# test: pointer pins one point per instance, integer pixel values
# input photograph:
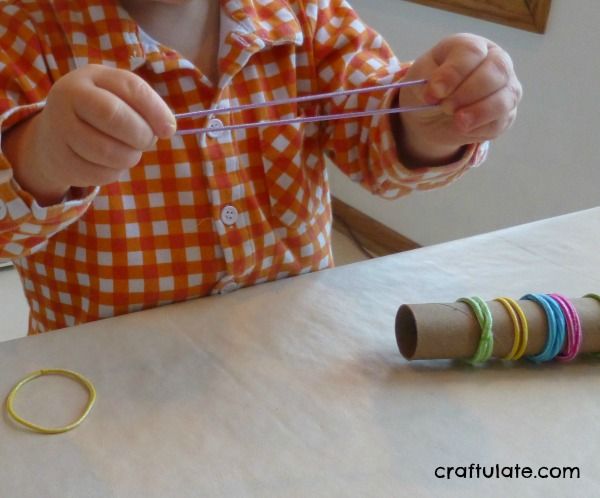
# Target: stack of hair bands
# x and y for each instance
(564, 327)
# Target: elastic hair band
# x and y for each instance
(484, 316)
(524, 329)
(556, 327)
(574, 334)
(56, 371)
(521, 329)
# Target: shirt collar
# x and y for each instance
(102, 32)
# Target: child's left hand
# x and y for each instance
(474, 82)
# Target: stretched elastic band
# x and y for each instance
(484, 317)
(574, 334)
(56, 371)
(556, 327)
(521, 330)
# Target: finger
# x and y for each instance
(83, 173)
(108, 114)
(124, 106)
(487, 110)
(492, 130)
(457, 57)
(98, 148)
(494, 73)
(140, 96)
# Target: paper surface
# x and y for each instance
(297, 388)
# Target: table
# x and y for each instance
(296, 388)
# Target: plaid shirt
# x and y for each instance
(205, 214)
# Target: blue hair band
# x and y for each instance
(557, 327)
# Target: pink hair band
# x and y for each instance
(574, 332)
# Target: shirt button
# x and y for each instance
(3, 210)
(229, 215)
(216, 124)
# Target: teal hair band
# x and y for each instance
(557, 327)
(484, 317)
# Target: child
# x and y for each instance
(105, 211)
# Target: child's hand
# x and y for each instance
(474, 82)
(96, 123)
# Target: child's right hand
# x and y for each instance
(95, 125)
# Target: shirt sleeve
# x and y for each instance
(24, 85)
(352, 55)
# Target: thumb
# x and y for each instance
(454, 59)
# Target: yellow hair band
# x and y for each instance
(55, 371)
(593, 296)
(520, 328)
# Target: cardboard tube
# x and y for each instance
(450, 331)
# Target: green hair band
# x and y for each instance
(484, 316)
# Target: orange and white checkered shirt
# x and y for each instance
(200, 214)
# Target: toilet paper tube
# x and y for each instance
(451, 331)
